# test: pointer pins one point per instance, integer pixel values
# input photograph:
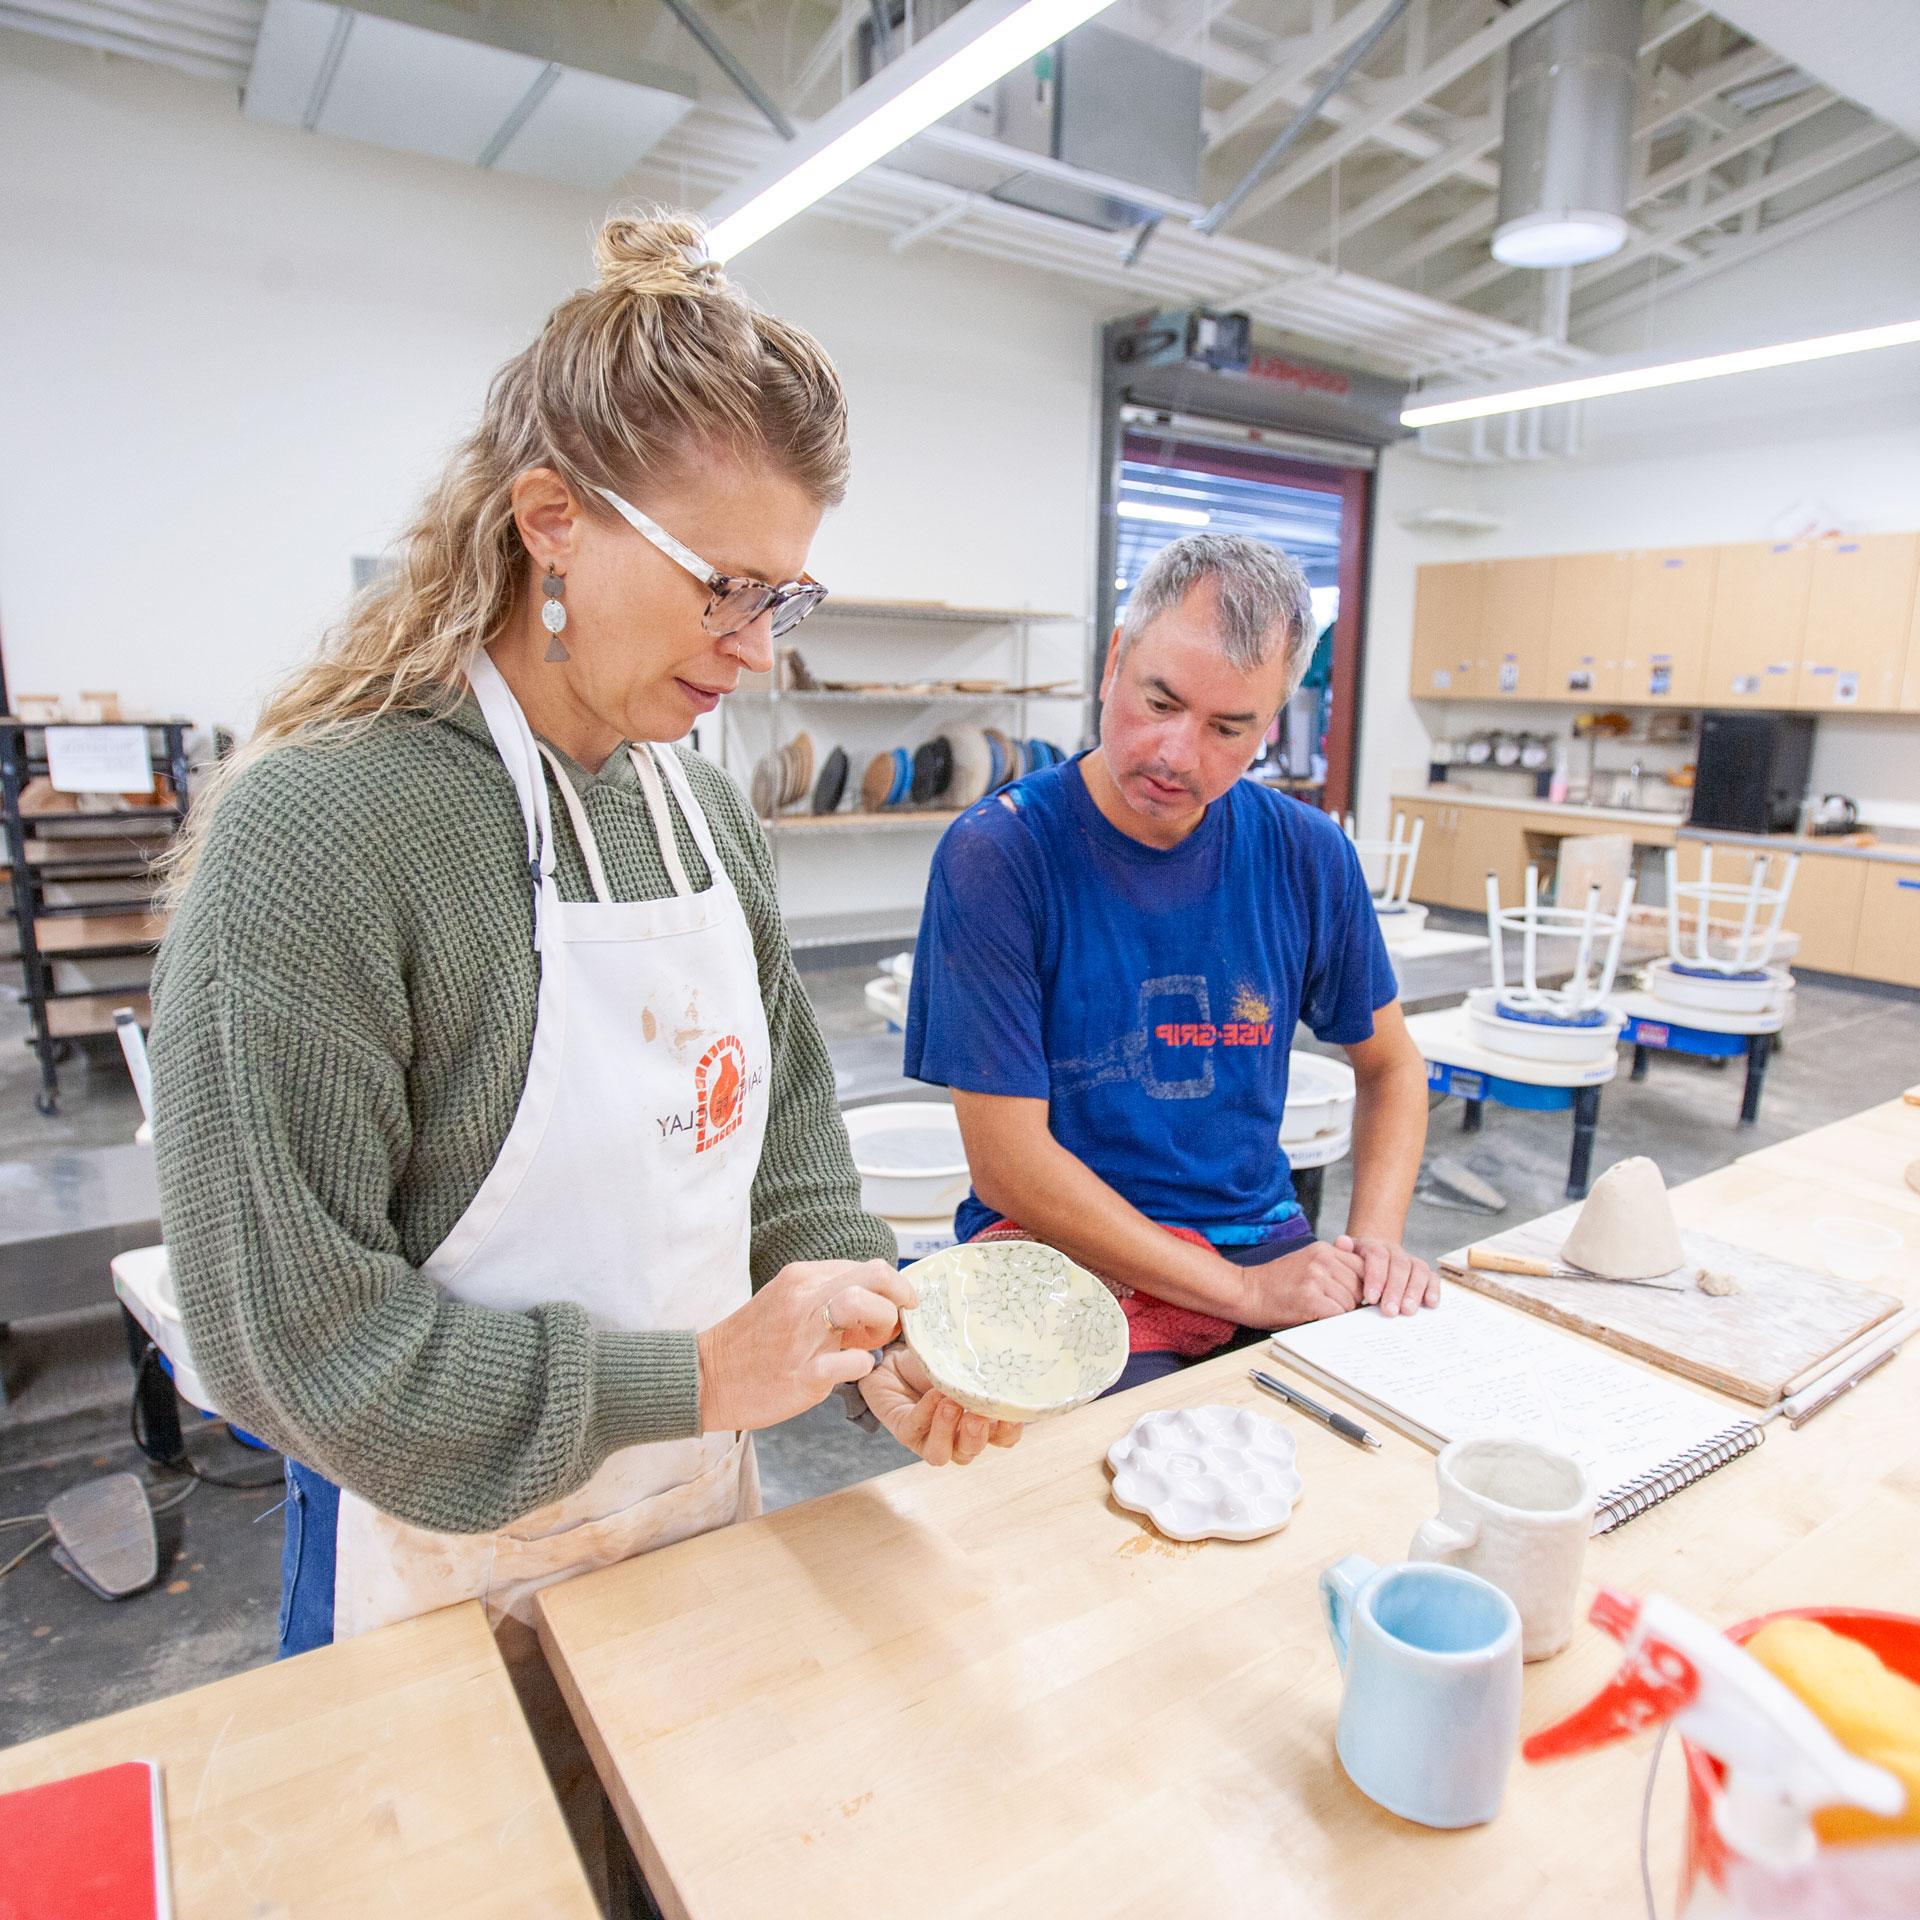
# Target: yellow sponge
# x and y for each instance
(1872, 1711)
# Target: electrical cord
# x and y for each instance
(184, 1462)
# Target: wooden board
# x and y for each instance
(992, 1694)
(1751, 1344)
(391, 1775)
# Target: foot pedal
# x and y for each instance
(103, 1535)
(1447, 1183)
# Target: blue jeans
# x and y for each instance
(306, 1561)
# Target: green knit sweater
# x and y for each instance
(343, 1016)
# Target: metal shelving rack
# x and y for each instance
(775, 700)
(778, 710)
(43, 850)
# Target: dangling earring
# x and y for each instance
(553, 614)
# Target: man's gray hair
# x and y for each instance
(1260, 594)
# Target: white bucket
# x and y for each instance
(1400, 924)
(1320, 1094)
(911, 1161)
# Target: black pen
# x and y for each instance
(1339, 1422)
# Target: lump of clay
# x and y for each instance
(1718, 1284)
(1626, 1230)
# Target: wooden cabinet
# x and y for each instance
(1587, 627)
(1488, 840)
(1669, 608)
(1860, 601)
(1786, 625)
(1448, 608)
(1910, 691)
(1888, 946)
(1511, 659)
(1759, 615)
(1824, 910)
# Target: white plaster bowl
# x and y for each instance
(1013, 1329)
(1529, 1040)
(1207, 1473)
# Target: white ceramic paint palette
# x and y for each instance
(1207, 1473)
(1014, 1330)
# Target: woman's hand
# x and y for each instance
(910, 1407)
(809, 1328)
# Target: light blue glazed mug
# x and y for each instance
(1431, 1713)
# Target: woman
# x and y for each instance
(503, 1179)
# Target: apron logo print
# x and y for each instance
(719, 1092)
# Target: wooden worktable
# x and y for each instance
(389, 1775)
(990, 1691)
(1866, 1154)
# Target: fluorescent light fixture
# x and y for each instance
(1167, 516)
(1674, 373)
(969, 52)
(1558, 239)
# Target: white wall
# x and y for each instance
(1726, 460)
(235, 354)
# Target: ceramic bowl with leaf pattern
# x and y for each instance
(1014, 1330)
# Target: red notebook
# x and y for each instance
(93, 1847)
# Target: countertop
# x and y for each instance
(1902, 851)
(1568, 809)
(1906, 852)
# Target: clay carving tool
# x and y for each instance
(1492, 1260)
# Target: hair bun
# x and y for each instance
(654, 256)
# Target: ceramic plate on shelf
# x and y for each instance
(932, 769)
(1207, 1473)
(1014, 1330)
(972, 766)
(832, 782)
(1002, 750)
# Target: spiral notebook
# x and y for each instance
(1470, 1367)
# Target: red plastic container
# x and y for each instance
(1894, 1637)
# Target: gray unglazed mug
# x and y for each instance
(1518, 1514)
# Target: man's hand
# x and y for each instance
(1391, 1278)
(1314, 1283)
(906, 1402)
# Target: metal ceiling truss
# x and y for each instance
(1389, 327)
(1699, 208)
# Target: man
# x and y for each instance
(1112, 960)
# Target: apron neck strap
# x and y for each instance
(582, 832)
(647, 769)
(514, 742)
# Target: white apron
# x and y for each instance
(624, 1187)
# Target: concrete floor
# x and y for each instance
(65, 1656)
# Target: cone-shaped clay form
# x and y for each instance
(1626, 1230)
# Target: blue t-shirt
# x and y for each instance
(1149, 996)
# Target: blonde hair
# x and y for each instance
(662, 363)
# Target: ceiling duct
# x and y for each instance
(1100, 129)
(545, 90)
(1566, 145)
